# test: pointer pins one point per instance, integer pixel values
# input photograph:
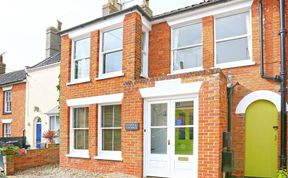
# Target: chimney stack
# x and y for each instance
(146, 8)
(2, 65)
(53, 40)
(111, 7)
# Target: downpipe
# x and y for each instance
(281, 78)
(283, 89)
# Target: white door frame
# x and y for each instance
(170, 114)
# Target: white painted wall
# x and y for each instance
(41, 92)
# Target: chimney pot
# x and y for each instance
(146, 8)
(2, 65)
(111, 7)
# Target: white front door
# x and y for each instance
(170, 140)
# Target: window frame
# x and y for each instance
(145, 73)
(54, 117)
(102, 75)
(82, 153)
(5, 128)
(73, 60)
(172, 71)
(102, 154)
(7, 103)
(239, 63)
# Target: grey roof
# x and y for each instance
(52, 111)
(48, 61)
(12, 77)
(205, 3)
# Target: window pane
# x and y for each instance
(143, 41)
(113, 62)
(117, 140)
(107, 116)
(52, 122)
(117, 116)
(184, 141)
(57, 126)
(188, 35)
(187, 58)
(80, 139)
(82, 48)
(234, 25)
(159, 114)
(7, 102)
(184, 113)
(107, 139)
(82, 68)
(158, 141)
(113, 39)
(80, 118)
(232, 50)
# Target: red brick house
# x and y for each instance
(147, 95)
(13, 92)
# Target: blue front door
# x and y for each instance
(38, 135)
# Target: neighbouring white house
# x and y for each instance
(42, 107)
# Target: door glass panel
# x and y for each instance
(184, 141)
(158, 140)
(184, 113)
(159, 114)
(184, 128)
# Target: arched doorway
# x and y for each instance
(261, 110)
(38, 132)
(261, 139)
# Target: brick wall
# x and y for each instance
(33, 158)
(131, 69)
(212, 98)
(159, 49)
(18, 110)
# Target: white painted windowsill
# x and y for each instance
(182, 71)
(73, 155)
(85, 80)
(235, 64)
(110, 158)
(110, 75)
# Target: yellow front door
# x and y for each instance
(261, 139)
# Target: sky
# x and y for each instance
(23, 23)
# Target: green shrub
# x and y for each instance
(9, 149)
(282, 173)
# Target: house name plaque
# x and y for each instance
(132, 126)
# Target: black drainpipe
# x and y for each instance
(262, 73)
(283, 157)
(281, 78)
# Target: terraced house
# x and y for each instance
(29, 97)
(152, 95)
(13, 92)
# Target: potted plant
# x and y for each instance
(49, 135)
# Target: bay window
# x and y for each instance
(55, 126)
(187, 48)
(233, 39)
(144, 52)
